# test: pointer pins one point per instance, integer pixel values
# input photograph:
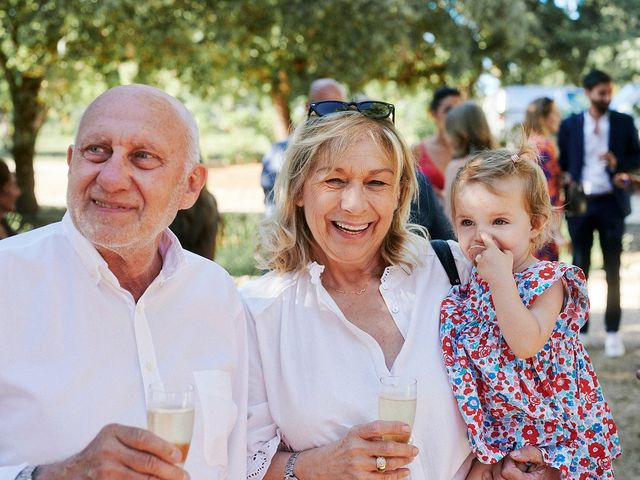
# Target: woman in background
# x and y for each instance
(9, 193)
(469, 131)
(541, 123)
(434, 153)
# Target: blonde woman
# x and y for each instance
(352, 295)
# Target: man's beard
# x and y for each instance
(601, 107)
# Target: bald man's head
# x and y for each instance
(154, 100)
(326, 89)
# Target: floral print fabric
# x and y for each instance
(551, 400)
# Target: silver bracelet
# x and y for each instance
(27, 473)
(288, 469)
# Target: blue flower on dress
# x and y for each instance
(473, 403)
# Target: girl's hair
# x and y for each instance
(5, 174)
(537, 112)
(490, 167)
(468, 129)
(285, 239)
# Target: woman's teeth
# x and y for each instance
(351, 228)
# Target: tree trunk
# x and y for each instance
(28, 116)
(280, 94)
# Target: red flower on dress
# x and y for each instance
(585, 462)
(596, 450)
(546, 273)
(530, 434)
(484, 351)
(604, 463)
(561, 382)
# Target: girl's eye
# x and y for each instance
(466, 223)
(500, 221)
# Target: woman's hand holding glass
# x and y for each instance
(354, 456)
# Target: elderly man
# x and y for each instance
(98, 307)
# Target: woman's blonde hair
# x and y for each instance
(490, 167)
(468, 129)
(285, 239)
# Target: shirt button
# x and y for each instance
(385, 286)
(395, 309)
(149, 366)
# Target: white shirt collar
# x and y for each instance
(171, 252)
(391, 276)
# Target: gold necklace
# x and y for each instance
(357, 292)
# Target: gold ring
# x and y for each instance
(381, 464)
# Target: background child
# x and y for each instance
(510, 336)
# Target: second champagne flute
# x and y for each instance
(397, 402)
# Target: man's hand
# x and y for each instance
(523, 464)
(610, 159)
(119, 453)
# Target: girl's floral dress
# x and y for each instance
(551, 400)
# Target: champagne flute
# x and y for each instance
(170, 414)
(397, 402)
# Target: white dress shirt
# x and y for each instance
(595, 177)
(77, 352)
(313, 375)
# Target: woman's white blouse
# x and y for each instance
(314, 375)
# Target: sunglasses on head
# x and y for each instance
(372, 109)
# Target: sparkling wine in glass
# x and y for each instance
(397, 402)
(170, 414)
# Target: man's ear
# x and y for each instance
(195, 181)
(69, 154)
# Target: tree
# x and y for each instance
(46, 46)
(278, 47)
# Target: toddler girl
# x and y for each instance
(510, 336)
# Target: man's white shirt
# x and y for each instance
(77, 352)
(595, 178)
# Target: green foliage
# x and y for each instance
(236, 247)
(238, 53)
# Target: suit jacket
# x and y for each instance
(623, 142)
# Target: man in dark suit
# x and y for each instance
(594, 146)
